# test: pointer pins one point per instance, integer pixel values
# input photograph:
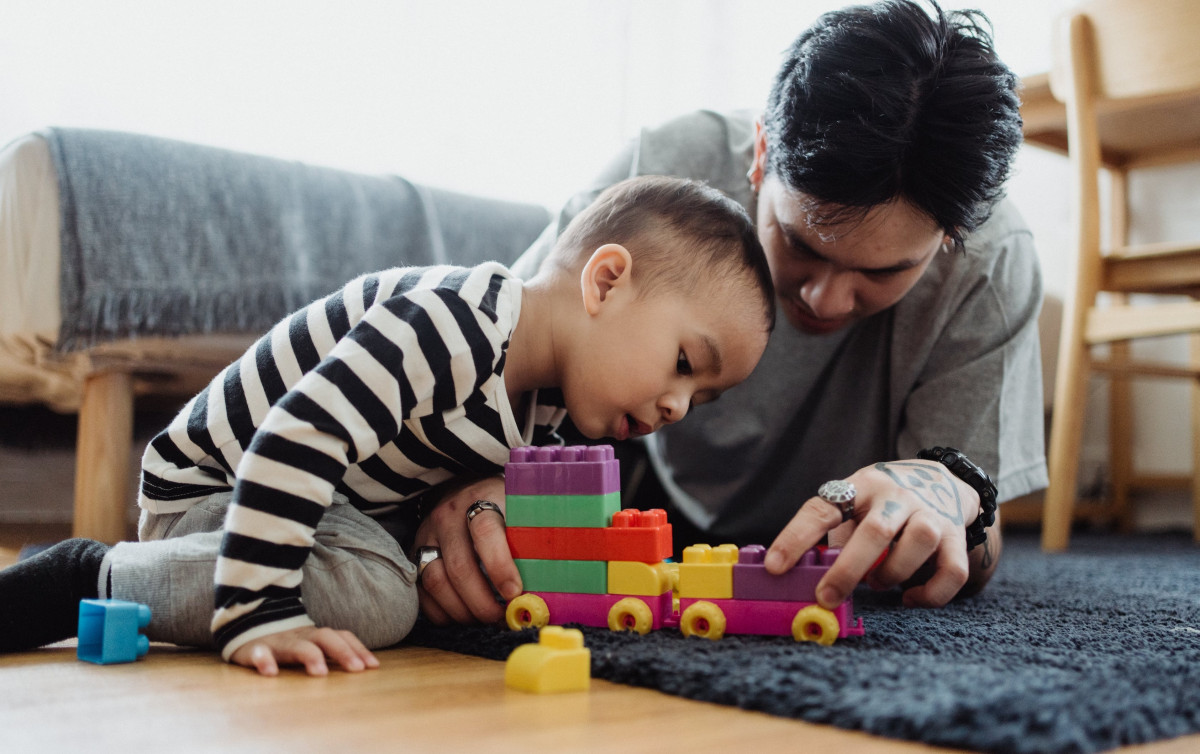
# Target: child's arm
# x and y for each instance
(396, 363)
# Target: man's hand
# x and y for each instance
(307, 646)
(914, 514)
(455, 588)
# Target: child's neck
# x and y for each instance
(532, 360)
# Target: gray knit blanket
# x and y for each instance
(161, 237)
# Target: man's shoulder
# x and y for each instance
(1004, 232)
(704, 145)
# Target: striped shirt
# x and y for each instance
(379, 391)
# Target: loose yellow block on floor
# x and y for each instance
(558, 662)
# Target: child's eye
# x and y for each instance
(682, 365)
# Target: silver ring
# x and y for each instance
(425, 556)
(479, 506)
(840, 494)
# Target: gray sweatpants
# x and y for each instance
(356, 578)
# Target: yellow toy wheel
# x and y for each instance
(815, 623)
(630, 614)
(527, 611)
(703, 619)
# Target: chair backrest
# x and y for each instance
(1138, 48)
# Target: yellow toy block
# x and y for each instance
(642, 579)
(707, 571)
(558, 662)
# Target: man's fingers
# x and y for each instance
(487, 533)
(871, 537)
(952, 572)
(435, 582)
(812, 522)
(917, 542)
(431, 609)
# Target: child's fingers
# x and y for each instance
(334, 645)
(360, 650)
(263, 660)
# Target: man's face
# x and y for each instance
(830, 276)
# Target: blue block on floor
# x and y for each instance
(110, 631)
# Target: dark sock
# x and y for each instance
(39, 597)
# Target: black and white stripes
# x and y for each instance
(378, 391)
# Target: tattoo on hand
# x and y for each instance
(889, 509)
(932, 486)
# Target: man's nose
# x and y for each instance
(829, 293)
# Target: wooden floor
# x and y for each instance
(185, 701)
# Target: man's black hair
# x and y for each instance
(888, 101)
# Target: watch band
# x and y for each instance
(977, 479)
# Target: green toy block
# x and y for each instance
(576, 576)
(561, 510)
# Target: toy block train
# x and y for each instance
(584, 560)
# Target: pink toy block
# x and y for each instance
(592, 609)
(752, 582)
(643, 536)
(772, 617)
(570, 470)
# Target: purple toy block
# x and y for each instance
(592, 609)
(752, 582)
(570, 470)
(773, 618)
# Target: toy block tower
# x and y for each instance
(566, 530)
(557, 492)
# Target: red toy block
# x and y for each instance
(570, 470)
(642, 536)
(752, 582)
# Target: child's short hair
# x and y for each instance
(679, 232)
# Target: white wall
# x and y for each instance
(521, 100)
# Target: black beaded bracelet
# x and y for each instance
(978, 480)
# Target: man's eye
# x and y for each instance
(682, 365)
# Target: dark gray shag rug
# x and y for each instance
(1077, 652)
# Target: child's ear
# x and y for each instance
(608, 269)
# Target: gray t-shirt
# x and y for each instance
(956, 362)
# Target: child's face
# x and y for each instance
(644, 362)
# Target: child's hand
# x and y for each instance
(307, 646)
(454, 588)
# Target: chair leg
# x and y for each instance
(102, 454)
(1066, 437)
(1120, 439)
(1195, 348)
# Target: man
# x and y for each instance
(912, 291)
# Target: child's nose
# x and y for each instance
(674, 406)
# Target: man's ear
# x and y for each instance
(758, 167)
(610, 268)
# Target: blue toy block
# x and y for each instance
(110, 631)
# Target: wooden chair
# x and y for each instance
(1129, 74)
